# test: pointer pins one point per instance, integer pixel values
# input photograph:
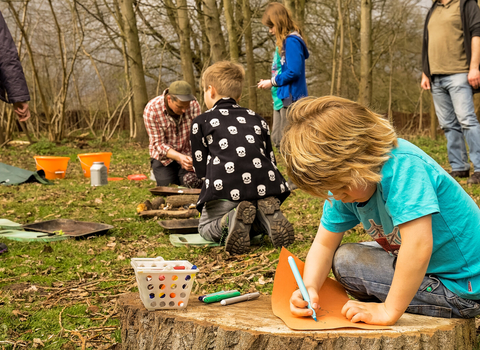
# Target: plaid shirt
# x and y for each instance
(165, 132)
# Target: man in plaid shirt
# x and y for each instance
(168, 119)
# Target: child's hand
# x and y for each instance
(298, 306)
(372, 313)
(264, 84)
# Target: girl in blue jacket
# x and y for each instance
(288, 83)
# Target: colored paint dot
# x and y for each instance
(194, 267)
(172, 295)
(162, 295)
(150, 286)
(174, 278)
(187, 278)
(429, 289)
(171, 303)
(162, 286)
(180, 303)
(161, 277)
(149, 278)
(151, 295)
(173, 286)
(184, 286)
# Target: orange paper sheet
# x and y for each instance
(332, 298)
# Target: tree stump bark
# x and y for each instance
(252, 325)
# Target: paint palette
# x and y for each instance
(164, 284)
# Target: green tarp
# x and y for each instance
(10, 175)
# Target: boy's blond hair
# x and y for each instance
(332, 142)
(226, 77)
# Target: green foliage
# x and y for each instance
(50, 290)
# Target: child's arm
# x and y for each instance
(317, 266)
(295, 63)
(412, 262)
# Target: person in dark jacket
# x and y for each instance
(450, 63)
(13, 86)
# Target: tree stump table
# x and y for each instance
(252, 325)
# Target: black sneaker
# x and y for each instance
(460, 173)
(236, 225)
(474, 179)
(3, 248)
(279, 229)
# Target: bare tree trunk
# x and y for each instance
(232, 32)
(290, 5)
(342, 45)
(185, 49)
(252, 88)
(140, 98)
(365, 87)
(334, 58)
(214, 31)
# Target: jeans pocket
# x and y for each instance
(467, 308)
(430, 310)
(430, 284)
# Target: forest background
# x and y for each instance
(92, 65)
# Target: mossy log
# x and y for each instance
(180, 201)
(252, 325)
(174, 214)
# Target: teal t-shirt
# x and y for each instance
(413, 185)
(276, 69)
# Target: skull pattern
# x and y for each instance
(214, 122)
(235, 194)
(262, 190)
(257, 163)
(247, 178)
(241, 120)
(218, 184)
(250, 138)
(271, 175)
(257, 129)
(224, 111)
(241, 151)
(223, 143)
(198, 156)
(229, 167)
(194, 128)
(232, 130)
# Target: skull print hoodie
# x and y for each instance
(232, 151)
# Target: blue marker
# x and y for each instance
(301, 285)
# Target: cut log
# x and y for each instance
(180, 201)
(252, 325)
(175, 214)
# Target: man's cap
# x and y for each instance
(181, 90)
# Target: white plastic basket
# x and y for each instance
(164, 284)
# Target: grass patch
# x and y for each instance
(61, 293)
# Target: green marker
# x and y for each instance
(218, 297)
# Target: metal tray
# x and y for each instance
(170, 191)
(69, 227)
(180, 226)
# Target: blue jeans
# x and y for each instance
(453, 100)
(366, 272)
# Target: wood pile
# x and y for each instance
(174, 207)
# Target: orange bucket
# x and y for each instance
(54, 167)
(87, 159)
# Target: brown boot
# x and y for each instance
(460, 173)
(474, 179)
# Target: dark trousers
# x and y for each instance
(165, 175)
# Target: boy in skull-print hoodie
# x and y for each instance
(232, 151)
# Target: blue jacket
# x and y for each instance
(292, 81)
